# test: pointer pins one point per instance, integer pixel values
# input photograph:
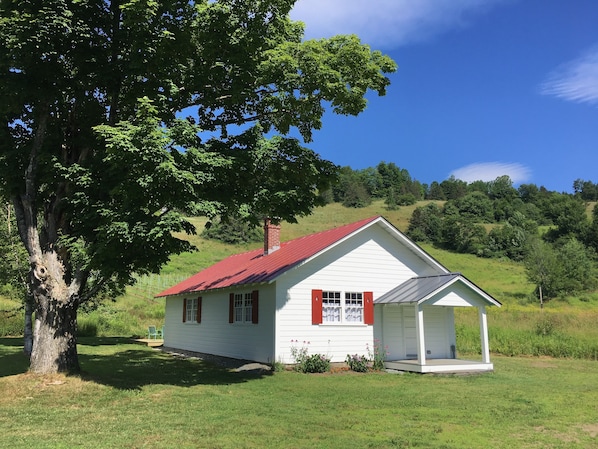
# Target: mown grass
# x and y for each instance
(133, 397)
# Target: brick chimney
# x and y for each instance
(271, 237)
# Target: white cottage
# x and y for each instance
(339, 291)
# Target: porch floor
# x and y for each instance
(439, 366)
(151, 342)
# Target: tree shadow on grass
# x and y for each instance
(116, 362)
(12, 359)
(132, 369)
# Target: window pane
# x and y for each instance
(238, 308)
(354, 307)
(331, 307)
(248, 307)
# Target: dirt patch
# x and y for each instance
(561, 436)
(236, 365)
(543, 364)
(592, 429)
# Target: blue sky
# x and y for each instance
(484, 88)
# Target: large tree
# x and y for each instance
(98, 162)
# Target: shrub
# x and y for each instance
(316, 363)
(546, 326)
(278, 367)
(305, 363)
(378, 355)
(358, 363)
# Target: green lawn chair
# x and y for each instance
(161, 333)
(152, 333)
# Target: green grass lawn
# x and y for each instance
(130, 396)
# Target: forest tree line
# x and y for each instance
(548, 231)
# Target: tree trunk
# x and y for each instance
(541, 296)
(28, 330)
(55, 334)
(55, 338)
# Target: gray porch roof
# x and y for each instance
(418, 289)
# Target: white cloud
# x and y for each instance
(386, 23)
(576, 80)
(489, 171)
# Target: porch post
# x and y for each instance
(484, 334)
(419, 330)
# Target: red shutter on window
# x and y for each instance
(184, 309)
(368, 308)
(231, 308)
(316, 307)
(198, 317)
(254, 306)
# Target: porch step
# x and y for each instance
(151, 342)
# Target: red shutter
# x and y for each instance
(316, 307)
(368, 308)
(198, 317)
(184, 309)
(231, 308)
(254, 306)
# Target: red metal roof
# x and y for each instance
(254, 267)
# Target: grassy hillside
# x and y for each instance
(518, 327)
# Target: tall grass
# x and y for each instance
(11, 317)
(526, 331)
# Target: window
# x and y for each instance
(331, 307)
(354, 307)
(243, 307)
(192, 310)
(342, 307)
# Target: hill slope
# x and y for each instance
(503, 279)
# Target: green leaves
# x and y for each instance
(274, 177)
(305, 75)
(113, 168)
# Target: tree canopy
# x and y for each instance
(117, 117)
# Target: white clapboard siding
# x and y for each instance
(391, 317)
(436, 331)
(399, 331)
(369, 261)
(215, 335)
(457, 295)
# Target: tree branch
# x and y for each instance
(25, 203)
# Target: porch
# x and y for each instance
(417, 325)
(444, 366)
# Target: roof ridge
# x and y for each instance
(451, 273)
(353, 223)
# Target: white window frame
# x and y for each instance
(191, 312)
(243, 308)
(353, 308)
(340, 307)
